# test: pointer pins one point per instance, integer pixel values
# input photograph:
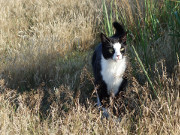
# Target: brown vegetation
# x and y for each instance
(46, 84)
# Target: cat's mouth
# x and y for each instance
(118, 57)
(116, 60)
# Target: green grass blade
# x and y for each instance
(106, 17)
(177, 16)
(116, 11)
(111, 14)
(149, 80)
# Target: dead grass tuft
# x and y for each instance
(21, 113)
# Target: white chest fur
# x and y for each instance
(112, 72)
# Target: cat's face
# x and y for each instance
(113, 48)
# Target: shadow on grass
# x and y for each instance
(52, 78)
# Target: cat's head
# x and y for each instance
(115, 47)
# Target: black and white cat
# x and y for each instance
(109, 64)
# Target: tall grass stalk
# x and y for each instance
(107, 22)
(145, 72)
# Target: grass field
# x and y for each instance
(46, 81)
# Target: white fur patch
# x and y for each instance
(112, 72)
(117, 55)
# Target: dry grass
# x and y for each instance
(46, 84)
(36, 35)
(22, 113)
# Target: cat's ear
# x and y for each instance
(123, 39)
(104, 39)
(119, 29)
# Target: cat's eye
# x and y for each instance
(122, 49)
(111, 50)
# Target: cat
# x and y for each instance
(109, 64)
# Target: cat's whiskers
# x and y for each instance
(118, 76)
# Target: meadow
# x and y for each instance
(46, 80)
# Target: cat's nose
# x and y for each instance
(118, 56)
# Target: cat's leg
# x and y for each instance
(104, 110)
(102, 95)
(98, 101)
(123, 85)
